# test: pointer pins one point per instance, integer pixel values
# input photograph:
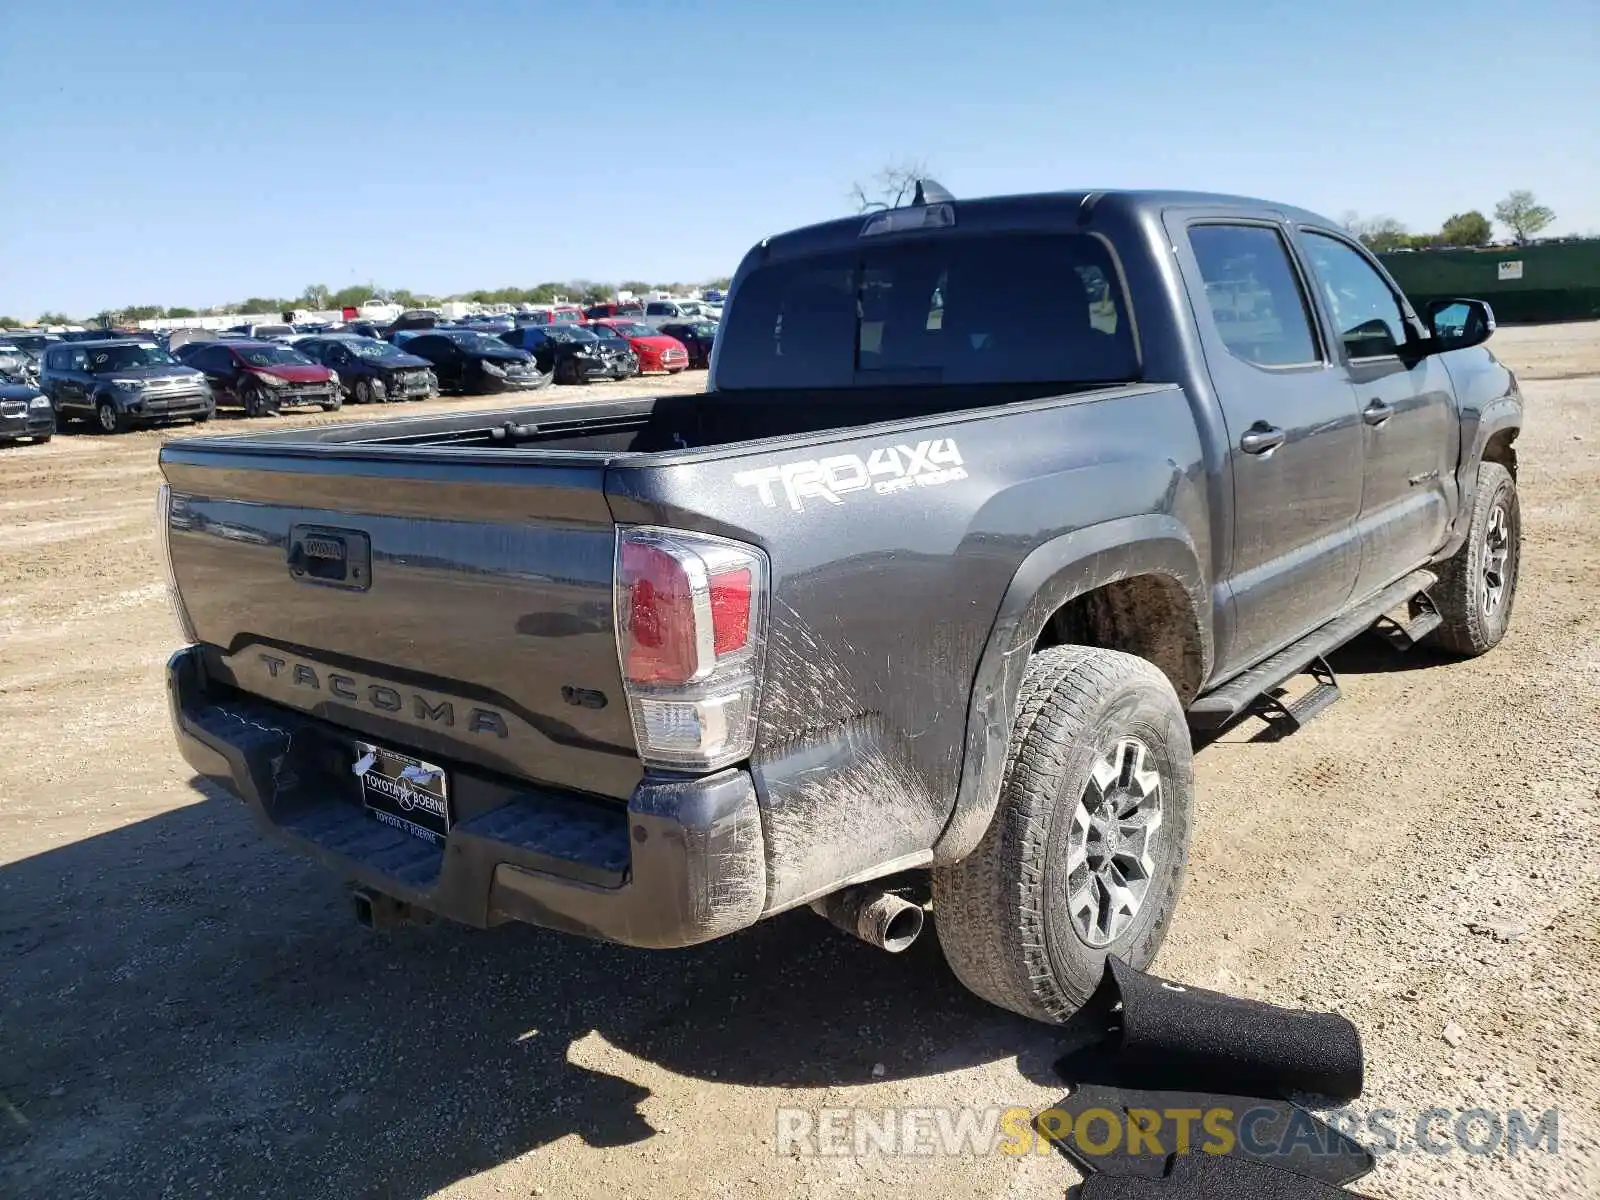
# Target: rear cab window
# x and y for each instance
(1257, 305)
(991, 308)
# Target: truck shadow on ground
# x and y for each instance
(187, 1007)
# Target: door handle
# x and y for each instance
(1377, 412)
(1261, 437)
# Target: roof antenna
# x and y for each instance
(929, 192)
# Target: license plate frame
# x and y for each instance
(404, 792)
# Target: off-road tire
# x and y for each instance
(1002, 912)
(1459, 595)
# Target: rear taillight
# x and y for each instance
(164, 513)
(691, 614)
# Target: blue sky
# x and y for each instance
(196, 153)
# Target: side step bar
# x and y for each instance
(1291, 717)
(1234, 697)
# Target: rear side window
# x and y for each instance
(1009, 308)
(1256, 302)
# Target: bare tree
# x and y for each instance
(891, 187)
(1523, 215)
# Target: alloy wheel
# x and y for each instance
(1112, 843)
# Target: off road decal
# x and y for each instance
(884, 471)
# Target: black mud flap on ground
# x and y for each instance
(1173, 1035)
(1136, 1112)
(1206, 1177)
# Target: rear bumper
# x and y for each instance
(682, 863)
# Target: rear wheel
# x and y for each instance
(1086, 852)
(363, 392)
(1478, 584)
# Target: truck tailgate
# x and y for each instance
(456, 610)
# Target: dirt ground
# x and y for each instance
(187, 1010)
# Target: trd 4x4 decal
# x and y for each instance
(885, 470)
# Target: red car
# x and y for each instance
(656, 351)
(263, 377)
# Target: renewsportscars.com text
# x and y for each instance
(934, 1132)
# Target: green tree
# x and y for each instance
(722, 284)
(182, 312)
(1470, 228)
(1523, 215)
(353, 296)
(590, 291)
(54, 318)
(633, 285)
(9, 322)
(142, 312)
(315, 296)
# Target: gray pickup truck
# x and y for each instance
(989, 505)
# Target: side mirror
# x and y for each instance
(1457, 324)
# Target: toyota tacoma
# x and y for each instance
(989, 505)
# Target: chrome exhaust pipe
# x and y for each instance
(877, 917)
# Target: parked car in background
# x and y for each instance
(100, 335)
(34, 344)
(17, 363)
(572, 353)
(25, 411)
(412, 318)
(551, 314)
(655, 351)
(489, 322)
(120, 383)
(614, 346)
(697, 338)
(468, 360)
(264, 329)
(372, 371)
(627, 309)
(264, 378)
(364, 329)
(665, 312)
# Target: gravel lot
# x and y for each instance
(187, 1010)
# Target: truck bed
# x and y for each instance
(651, 425)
